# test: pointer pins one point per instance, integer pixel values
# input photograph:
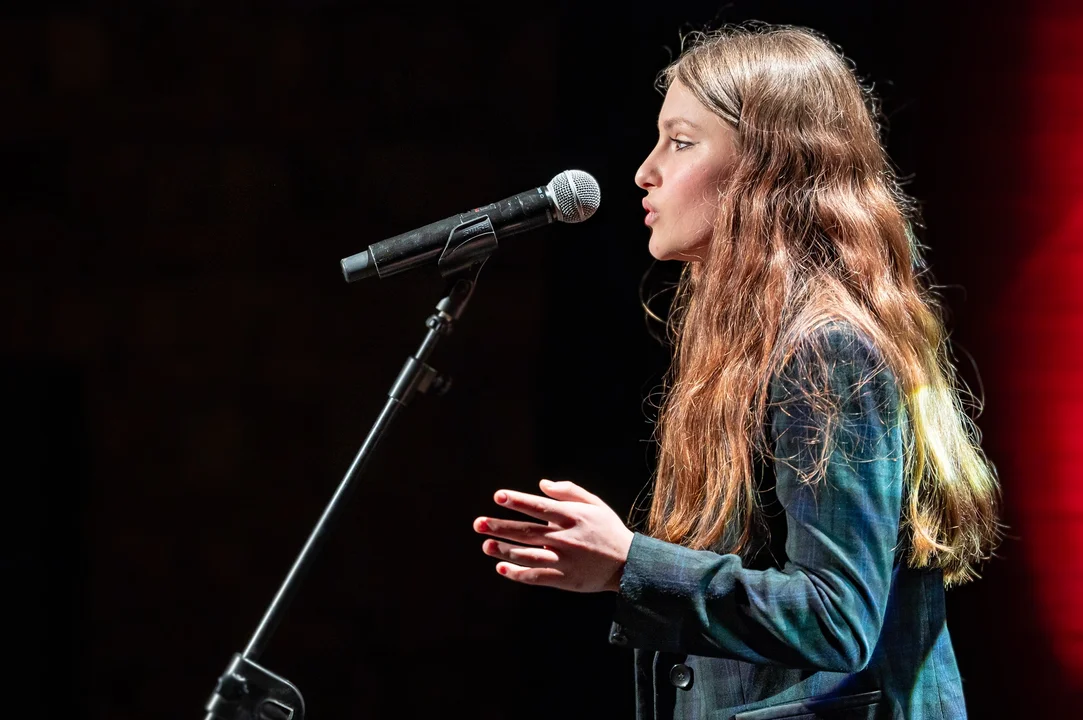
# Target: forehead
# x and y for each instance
(681, 107)
(678, 95)
(682, 110)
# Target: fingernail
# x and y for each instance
(501, 497)
(501, 569)
(483, 525)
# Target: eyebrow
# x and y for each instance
(670, 123)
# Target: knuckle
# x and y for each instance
(575, 543)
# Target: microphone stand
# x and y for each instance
(248, 691)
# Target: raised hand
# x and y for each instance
(580, 545)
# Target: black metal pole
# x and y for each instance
(246, 690)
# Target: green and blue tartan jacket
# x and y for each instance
(826, 621)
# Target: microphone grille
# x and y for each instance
(576, 194)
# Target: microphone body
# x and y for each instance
(571, 196)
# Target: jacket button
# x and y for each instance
(681, 676)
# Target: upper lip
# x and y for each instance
(647, 206)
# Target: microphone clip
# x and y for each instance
(468, 244)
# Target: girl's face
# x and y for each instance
(682, 175)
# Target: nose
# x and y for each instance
(647, 175)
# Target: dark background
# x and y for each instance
(186, 376)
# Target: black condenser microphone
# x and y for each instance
(572, 196)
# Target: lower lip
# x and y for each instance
(651, 217)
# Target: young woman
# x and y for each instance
(819, 483)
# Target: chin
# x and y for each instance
(686, 252)
(659, 250)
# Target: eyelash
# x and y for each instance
(685, 143)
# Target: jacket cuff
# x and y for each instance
(641, 617)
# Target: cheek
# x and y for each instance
(697, 195)
(687, 223)
(695, 190)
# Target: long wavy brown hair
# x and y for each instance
(812, 227)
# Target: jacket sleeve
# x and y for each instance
(824, 608)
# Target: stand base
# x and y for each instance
(247, 691)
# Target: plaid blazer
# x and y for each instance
(826, 620)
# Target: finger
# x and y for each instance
(527, 533)
(566, 490)
(525, 556)
(531, 576)
(533, 505)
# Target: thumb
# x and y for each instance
(566, 490)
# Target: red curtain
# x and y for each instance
(1042, 313)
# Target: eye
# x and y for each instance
(681, 144)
